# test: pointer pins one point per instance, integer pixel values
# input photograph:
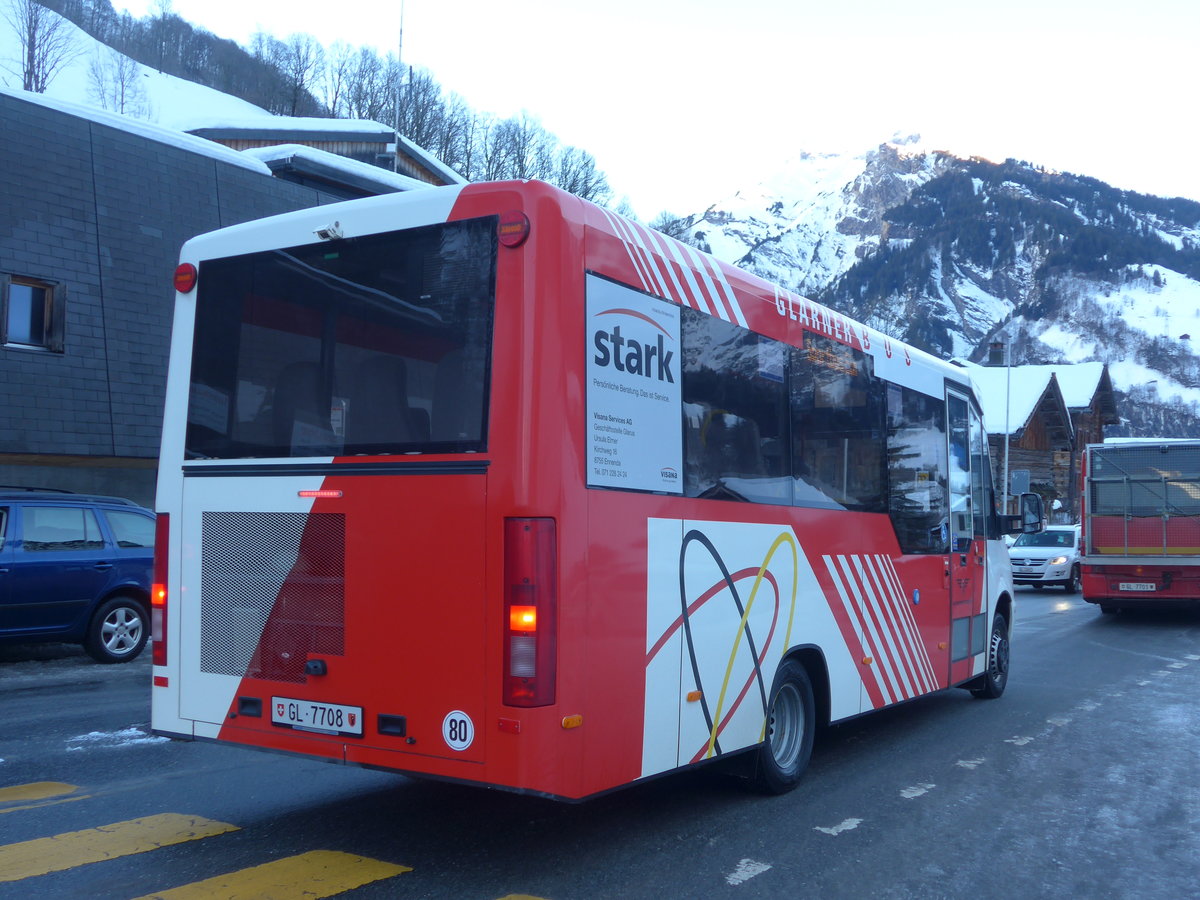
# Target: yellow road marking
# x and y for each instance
(37, 790)
(319, 873)
(76, 848)
(10, 809)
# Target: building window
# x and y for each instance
(33, 312)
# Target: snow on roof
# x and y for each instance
(300, 124)
(280, 123)
(1024, 387)
(432, 161)
(282, 152)
(145, 129)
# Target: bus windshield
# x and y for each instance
(371, 345)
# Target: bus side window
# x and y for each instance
(734, 412)
(917, 470)
(838, 440)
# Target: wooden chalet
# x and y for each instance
(357, 139)
(1047, 414)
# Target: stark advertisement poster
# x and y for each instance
(635, 437)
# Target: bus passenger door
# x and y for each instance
(967, 541)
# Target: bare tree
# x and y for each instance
(577, 173)
(114, 81)
(338, 61)
(451, 143)
(159, 27)
(301, 60)
(367, 86)
(47, 44)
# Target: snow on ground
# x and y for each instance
(1169, 310)
(111, 740)
(1074, 347)
(168, 100)
(1128, 374)
(981, 309)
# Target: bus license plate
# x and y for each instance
(1136, 586)
(307, 714)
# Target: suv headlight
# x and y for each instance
(1058, 560)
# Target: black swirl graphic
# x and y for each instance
(700, 538)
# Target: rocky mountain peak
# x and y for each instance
(950, 253)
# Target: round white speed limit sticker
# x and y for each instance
(458, 730)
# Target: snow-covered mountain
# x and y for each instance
(952, 253)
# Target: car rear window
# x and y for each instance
(130, 529)
(1047, 539)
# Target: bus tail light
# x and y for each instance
(185, 278)
(513, 228)
(158, 590)
(530, 608)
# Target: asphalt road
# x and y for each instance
(1082, 781)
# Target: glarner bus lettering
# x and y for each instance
(629, 355)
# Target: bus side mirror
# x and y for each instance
(1029, 519)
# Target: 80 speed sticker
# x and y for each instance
(458, 731)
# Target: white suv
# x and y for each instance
(1049, 557)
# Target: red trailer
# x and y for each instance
(1141, 523)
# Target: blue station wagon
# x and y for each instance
(75, 568)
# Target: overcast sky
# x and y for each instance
(683, 102)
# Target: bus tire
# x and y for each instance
(791, 720)
(118, 631)
(995, 679)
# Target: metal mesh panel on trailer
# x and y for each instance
(1144, 499)
(271, 592)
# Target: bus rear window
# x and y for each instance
(371, 345)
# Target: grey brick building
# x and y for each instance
(93, 210)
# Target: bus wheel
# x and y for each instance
(785, 751)
(118, 631)
(995, 679)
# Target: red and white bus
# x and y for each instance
(490, 484)
(1141, 523)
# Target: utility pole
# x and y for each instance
(1007, 411)
(399, 82)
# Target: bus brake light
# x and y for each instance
(531, 600)
(523, 619)
(158, 590)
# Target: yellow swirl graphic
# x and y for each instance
(784, 537)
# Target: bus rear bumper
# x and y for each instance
(1143, 587)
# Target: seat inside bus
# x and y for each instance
(379, 414)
